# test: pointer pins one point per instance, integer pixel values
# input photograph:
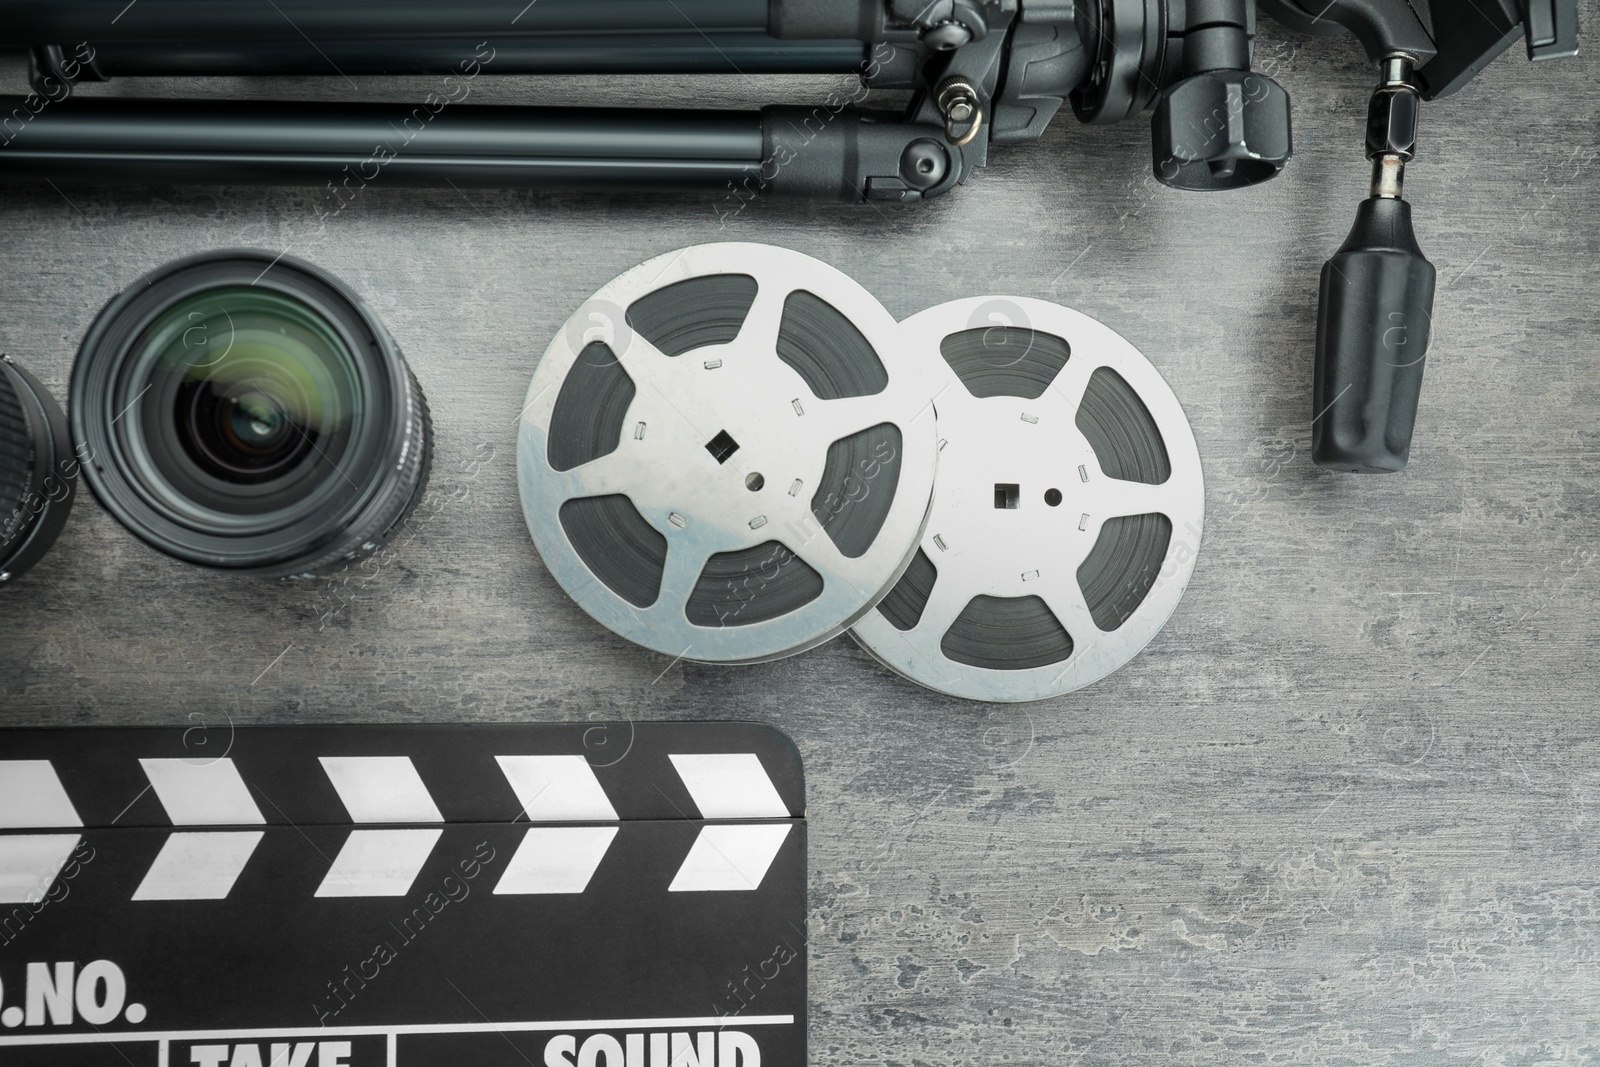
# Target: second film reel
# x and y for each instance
(1068, 508)
(725, 454)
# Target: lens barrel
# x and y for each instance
(38, 473)
(245, 411)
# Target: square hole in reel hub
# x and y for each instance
(722, 447)
(1006, 496)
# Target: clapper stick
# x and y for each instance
(581, 895)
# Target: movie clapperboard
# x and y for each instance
(554, 895)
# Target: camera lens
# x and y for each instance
(245, 411)
(38, 474)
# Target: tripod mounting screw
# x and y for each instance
(1221, 129)
(1392, 114)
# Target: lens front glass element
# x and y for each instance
(249, 402)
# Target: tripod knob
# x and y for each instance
(1221, 129)
(1372, 337)
(1221, 125)
(1376, 310)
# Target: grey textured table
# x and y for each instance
(1342, 811)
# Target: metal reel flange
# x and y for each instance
(1067, 513)
(725, 454)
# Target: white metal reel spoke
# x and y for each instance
(635, 352)
(685, 562)
(759, 332)
(944, 606)
(1066, 602)
(1021, 504)
(823, 556)
(610, 474)
(1108, 498)
(838, 419)
(1069, 385)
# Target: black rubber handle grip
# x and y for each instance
(1372, 338)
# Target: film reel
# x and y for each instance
(1067, 513)
(726, 454)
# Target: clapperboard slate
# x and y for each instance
(551, 895)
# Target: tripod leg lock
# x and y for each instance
(849, 155)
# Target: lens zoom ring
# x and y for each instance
(401, 492)
(16, 463)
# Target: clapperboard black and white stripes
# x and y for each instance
(584, 895)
